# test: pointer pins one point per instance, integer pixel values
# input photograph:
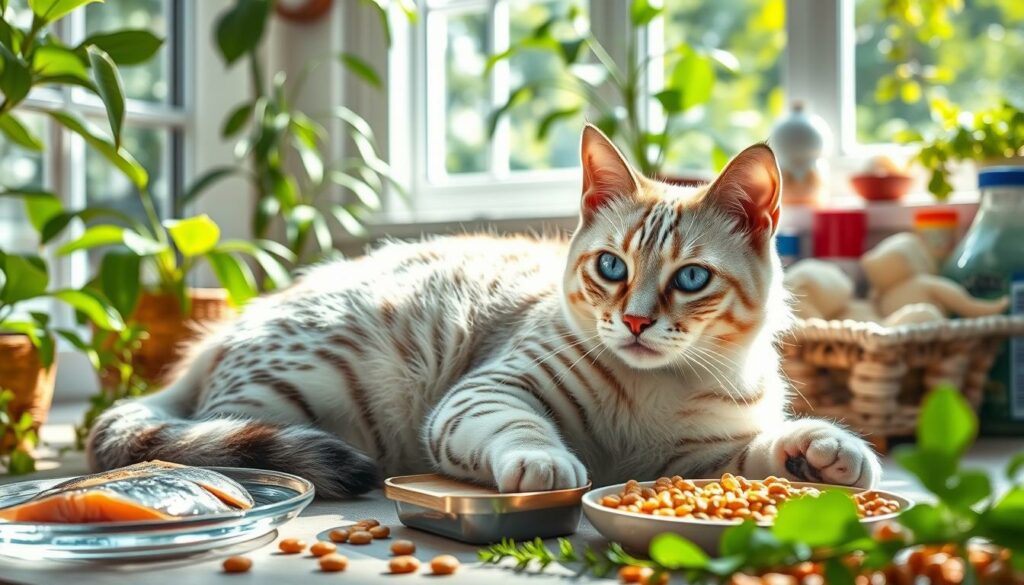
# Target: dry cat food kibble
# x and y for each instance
(404, 564)
(360, 537)
(333, 563)
(367, 523)
(731, 498)
(444, 565)
(631, 574)
(292, 546)
(338, 535)
(237, 564)
(322, 548)
(380, 532)
(403, 547)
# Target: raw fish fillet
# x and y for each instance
(154, 490)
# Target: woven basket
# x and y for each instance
(21, 373)
(168, 333)
(873, 378)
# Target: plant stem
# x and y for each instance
(154, 220)
(257, 74)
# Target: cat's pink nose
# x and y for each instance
(637, 323)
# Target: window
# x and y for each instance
(870, 68)
(154, 126)
(973, 58)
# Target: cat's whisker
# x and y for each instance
(712, 358)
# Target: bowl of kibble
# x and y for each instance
(635, 512)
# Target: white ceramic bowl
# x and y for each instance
(635, 531)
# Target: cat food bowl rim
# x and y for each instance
(592, 501)
(398, 490)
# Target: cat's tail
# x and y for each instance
(157, 427)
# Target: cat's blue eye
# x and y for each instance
(611, 267)
(691, 278)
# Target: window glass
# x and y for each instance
(973, 58)
(745, 103)
(149, 81)
(20, 168)
(560, 146)
(466, 92)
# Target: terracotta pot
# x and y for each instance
(881, 187)
(22, 373)
(169, 333)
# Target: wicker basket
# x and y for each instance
(21, 373)
(872, 377)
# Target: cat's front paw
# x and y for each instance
(533, 469)
(818, 451)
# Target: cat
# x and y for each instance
(644, 346)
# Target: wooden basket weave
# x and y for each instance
(872, 377)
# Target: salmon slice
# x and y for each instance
(146, 491)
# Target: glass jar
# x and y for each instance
(985, 262)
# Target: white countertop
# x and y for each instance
(367, 564)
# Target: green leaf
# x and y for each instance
(552, 117)
(947, 424)
(206, 180)
(1014, 466)
(642, 12)
(236, 120)
(1002, 523)
(20, 462)
(836, 573)
(827, 520)
(694, 78)
(367, 196)
(25, 277)
(95, 236)
(239, 29)
(120, 280)
(967, 488)
(359, 67)
(311, 161)
(57, 61)
(17, 133)
(930, 523)
(518, 96)
(15, 78)
(118, 156)
(348, 221)
(92, 307)
(51, 10)
(40, 206)
(266, 209)
(675, 552)
(193, 236)
(233, 275)
(273, 268)
(56, 224)
(125, 47)
(111, 90)
(671, 100)
(719, 158)
(608, 124)
(381, 8)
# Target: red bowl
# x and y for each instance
(881, 187)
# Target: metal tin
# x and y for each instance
(480, 515)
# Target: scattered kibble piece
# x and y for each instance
(380, 532)
(404, 564)
(368, 523)
(237, 564)
(338, 535)
(360, 537)
(631, 574)
(292, 546)
(403, 547)
(322, 548)
(333, 563)
(732, 498)
(444, 565)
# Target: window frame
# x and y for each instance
(818, 69)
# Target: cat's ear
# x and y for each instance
(749, 188)
(606, 174)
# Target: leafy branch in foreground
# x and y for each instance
(19, 434)
(967, 535)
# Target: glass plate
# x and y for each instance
(279, 498)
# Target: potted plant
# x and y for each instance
(617, 92)
(20, 434)
(281, 138)
(167, 249)
(27, 356)
(989, 137)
